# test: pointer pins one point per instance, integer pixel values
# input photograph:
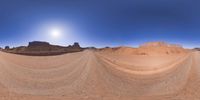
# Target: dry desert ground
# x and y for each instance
(101, 75)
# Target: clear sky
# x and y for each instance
(100, 22)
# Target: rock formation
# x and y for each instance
(151, 48)
(39, 48)
(76, 45)
(198, 49)
(159, 44)
(7, 47)
(37, 44)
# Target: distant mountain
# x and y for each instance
(39, 48)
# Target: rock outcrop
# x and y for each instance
(76, 45)
(7, 47)
(198, 49)
(160, 44)
(38, 44)
(151, 48)
(39, 48)
(160, 48)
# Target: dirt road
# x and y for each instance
(94, 75)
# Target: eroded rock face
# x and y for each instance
(160, 48)
(76, 45)
(38, 44)
(151, 48)
(159, 44)
(198, 49)
(7, 47)
(44, 48)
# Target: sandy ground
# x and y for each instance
(90, 75)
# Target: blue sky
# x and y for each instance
(100, 22)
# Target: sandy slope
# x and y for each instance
(96, 75)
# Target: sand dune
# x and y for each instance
(100, 75)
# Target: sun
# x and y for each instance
(55, 33)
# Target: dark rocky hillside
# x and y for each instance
(38, 48)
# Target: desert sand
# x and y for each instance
(109, 74)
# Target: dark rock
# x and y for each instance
(198, 49)
(38, 44)
(76, 45)
(38, 48)
(91, 48)
(69, 46)
(7, 47)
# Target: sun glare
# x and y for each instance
(55, 33)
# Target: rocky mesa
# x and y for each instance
(40, 48)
